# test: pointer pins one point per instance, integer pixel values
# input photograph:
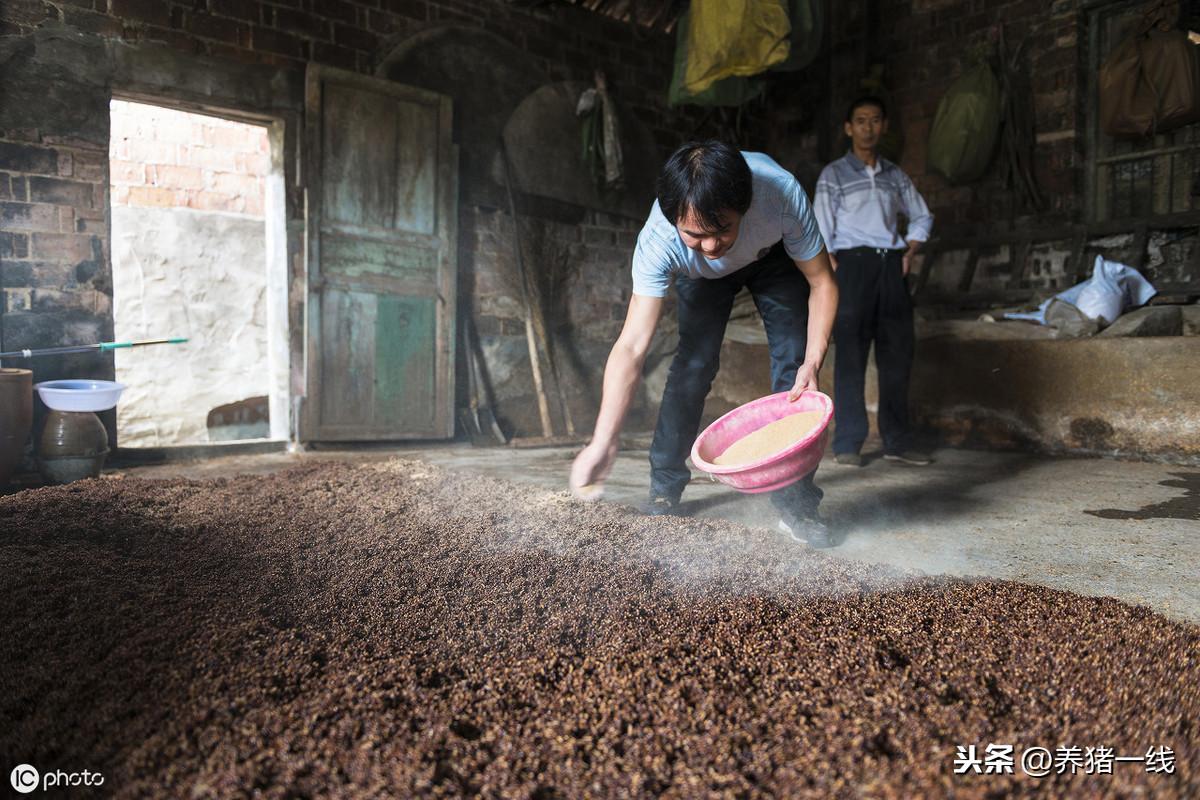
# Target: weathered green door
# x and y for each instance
(381, 224)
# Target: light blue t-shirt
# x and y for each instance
(778, 210)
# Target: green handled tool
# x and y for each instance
(86, 348)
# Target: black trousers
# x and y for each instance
(780, 292)
(873, 305)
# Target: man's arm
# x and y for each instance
(622, 374)
(825, 210)
(822, 307)
(920, 220)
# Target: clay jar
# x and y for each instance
(16, 418)
(73, 446)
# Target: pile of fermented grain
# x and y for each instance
(394, 630)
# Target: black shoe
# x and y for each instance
(909, 457)
(848, 459)
(811, 531)
(659, 506)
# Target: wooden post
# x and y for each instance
(530, 336)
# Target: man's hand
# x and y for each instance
(906, 260)
(591, 468)
(833, 262)
(806, 381)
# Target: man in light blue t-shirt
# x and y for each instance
(724, 221)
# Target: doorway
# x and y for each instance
(198, 251)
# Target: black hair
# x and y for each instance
(866, 100)
(709, 178)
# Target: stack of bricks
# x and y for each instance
(172, 159)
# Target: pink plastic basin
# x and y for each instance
(777, 470)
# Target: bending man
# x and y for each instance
(724, 221)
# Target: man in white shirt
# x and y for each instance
(723, 221)
(858, 201)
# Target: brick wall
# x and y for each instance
(928, 44)
(53, 238)
(172, 159)
(354, 34)
(54, 252)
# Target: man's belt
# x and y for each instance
(866, 251)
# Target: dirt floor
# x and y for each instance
(391, 629)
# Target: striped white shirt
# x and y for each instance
(858, 207)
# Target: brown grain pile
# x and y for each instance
(394, 630)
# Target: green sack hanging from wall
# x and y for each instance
(966, 126)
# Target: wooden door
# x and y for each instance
(382, 206)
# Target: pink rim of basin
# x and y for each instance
(778, 469)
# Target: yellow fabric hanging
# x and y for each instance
(735, 38)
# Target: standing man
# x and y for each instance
(724, 221)
(858, 200)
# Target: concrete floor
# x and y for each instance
(1126, 529)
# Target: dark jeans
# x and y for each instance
(873, 304)
(780, 292)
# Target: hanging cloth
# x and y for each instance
(601, 135)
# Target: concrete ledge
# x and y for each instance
(1124, 397)
(1128, 397)
(139, 456)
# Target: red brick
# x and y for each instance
(173, 177)
(146, 196)
(231, 138)
(234, 184)
(153, 12)
(214, 201)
